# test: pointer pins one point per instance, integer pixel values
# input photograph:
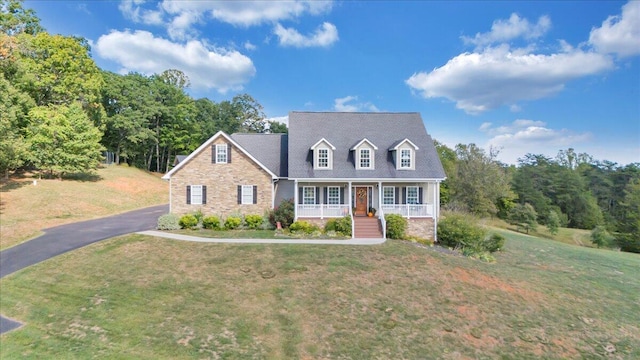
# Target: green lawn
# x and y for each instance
(140, 297)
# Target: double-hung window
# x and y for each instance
(308, 195)
(333, 195)
(247, 194)
(221, 153)
(388, 195)
(195, 194)
(323, 158)
(405, 158)
(412, 195)
(365, 158)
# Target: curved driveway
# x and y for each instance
(60, 239)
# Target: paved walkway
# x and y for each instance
(263, 241)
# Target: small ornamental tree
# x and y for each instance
(282, 213)
(553, 222)
(600, 237)
(523, 216)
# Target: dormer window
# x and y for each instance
(405, 159)
(364, 154)
(323, 155)
(404, 153)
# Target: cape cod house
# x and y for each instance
(331, 164)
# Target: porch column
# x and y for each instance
(295, 200)
(350, 198)
(379, 195)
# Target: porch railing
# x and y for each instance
(383, 223)
(409, 210)
(322, 211)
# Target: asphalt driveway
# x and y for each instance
(63, 238)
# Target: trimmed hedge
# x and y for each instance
(168, 222)
(211, 222)
(188, 221)
(396, 226)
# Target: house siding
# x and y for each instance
(222, 181)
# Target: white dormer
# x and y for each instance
(323, 155)
(405, 155)
(364, 156)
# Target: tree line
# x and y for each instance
(59, 111)
(571, 190)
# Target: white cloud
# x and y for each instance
(280, 119)
(181, 16)
(619, 34)
(324, 36)
(514, 27)
(249, 46)
(498, 76)
(206, 67)
(341, 105)
(523, 136)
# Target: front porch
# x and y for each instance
(337, 199)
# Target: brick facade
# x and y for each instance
(421, 227)
(222, 182)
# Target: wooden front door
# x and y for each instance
(361, 201)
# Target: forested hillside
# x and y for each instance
(59, 112)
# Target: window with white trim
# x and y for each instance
(323, 158)
(333, 195)
(309, 195)
(247, 194)
(365, 158)
(221, 153)
(412, 195)
(388, 195)
(196, 195)
(405, 159)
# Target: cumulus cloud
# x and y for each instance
(512, 28)
(619, 34)
(529, 136)
(478, 82)
(180, 16)
(207, 67)
(280, 119)
(324, 36)
(341, 105)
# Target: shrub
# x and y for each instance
(188, 221)
(601, 237)
(199, 216)
(460, 231)
(302, 226)
(253, 221)
(330, 225)
(396, 226)
(211, 222)
(494, 243)
(343, 225)
(232, 223)
(523, 216)
(168, 222)
(553, 222)
(282, 213)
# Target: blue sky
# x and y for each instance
(517, 76)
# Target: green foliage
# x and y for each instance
(343, 225)
(14, 109)
(303, 227)
(553, 222)
(495, 242)
(461, 231)
(479, 180)
(232, 222)
(282, 213)
(15, 19)
(601, 237)
(211, 222)
(253, 221)
(629, 226)
(63, 140)
(168, 222)
(396, 226)
(188, 221)
(523, 216)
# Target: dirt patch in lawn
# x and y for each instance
(492, 283)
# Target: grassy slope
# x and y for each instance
(142, 297)
(26, 209)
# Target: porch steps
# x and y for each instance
(367, 227)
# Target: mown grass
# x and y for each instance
(148, 298)
(25, 209)
(570, 236)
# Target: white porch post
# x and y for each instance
(295, 200)
(379, 195)
(436, 212)
(350, 198)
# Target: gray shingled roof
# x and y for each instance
(343, 130)
(269, 149)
